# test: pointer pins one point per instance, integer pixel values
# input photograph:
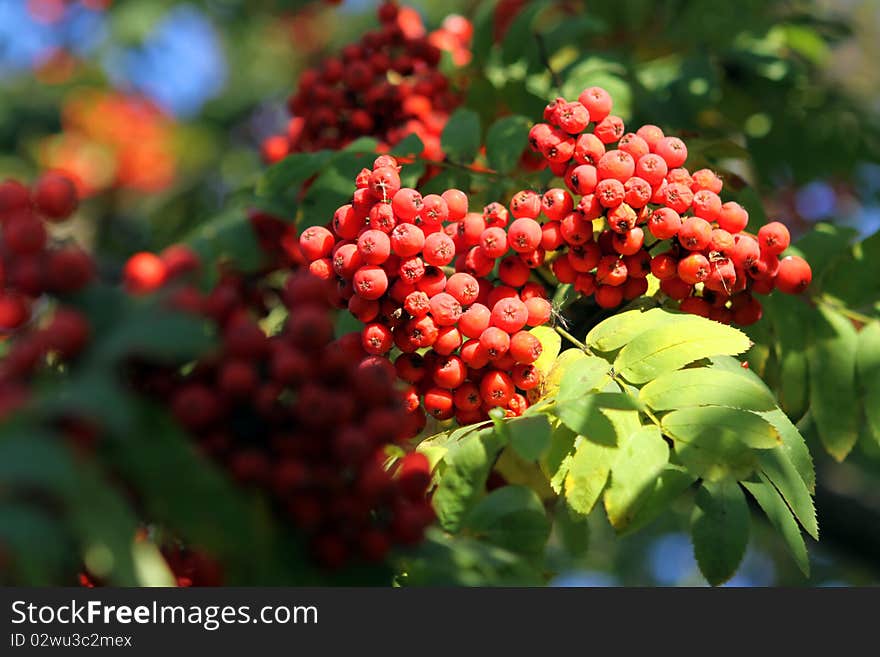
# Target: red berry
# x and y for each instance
(457, 202)
(24, 233)
(774, 238)
(439, 403)
(597, 101)
(610, 129)
(496, 389)
(374, 247)
(510, 314)
(672, 150)
(556, 203)
(608, 296)
(495, 341)
(316, 242)
(695, 234)
(732, 217)
(143, 273)
(370, 282)
(794, 275)
(525, 347)
(55, 196)
(693, 268)
(617, 164)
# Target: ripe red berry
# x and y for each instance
(664, 223)
(439, 403)
(55, 196)
(464, 287)
(597, 101)
(445, 309)
(496, 389)
(457, 202)
(794, 275)
(664, 265)
(773, 238)
(588, 149)
(374, 247)
(672, 150)
(143, 273)
(525, 347)
(695, 234)
(495, 342)
(510, 314)
(493, 241)
(609, 296)
(694, 268)
(14, 310)
(610, 129)
(370, 282)
(524, 235)
(556, 203)
(617, 164)
(449, 373)
(732, 217)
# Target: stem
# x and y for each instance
(568, 336)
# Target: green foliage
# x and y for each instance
(720, 529)
(640, 448)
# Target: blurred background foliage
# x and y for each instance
(159, 108)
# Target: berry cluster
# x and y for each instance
(387, 85)
(415, 269)
(298, 414)
(30, 268)
(653, 215)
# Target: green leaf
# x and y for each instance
(781, 518)
(587, 475)
(34, 460)
(573, 530)
(444, 560)
(674, 345)
(714, 451)
(706, 386)
(228, 236)
(794, 445)
(779, 469)
(790, 315)
(291, 172)
(331, 189)
(670, 484)
(408, 147)
(581, 375)
(868, 363)
(551, 342)
(691, 424)
(585, 415)
(505, 142)
(720, 529)
(616, 331)
(634, 474)
(557, 459)
(34, 539)
(833, 399)
(467, 466)
(511, 517)
(520, 39)
(461, 136)
(529, 436)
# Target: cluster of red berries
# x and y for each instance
(298, 414)
(387, 85)
(31, 267)
(652, 215)
(415, 270)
